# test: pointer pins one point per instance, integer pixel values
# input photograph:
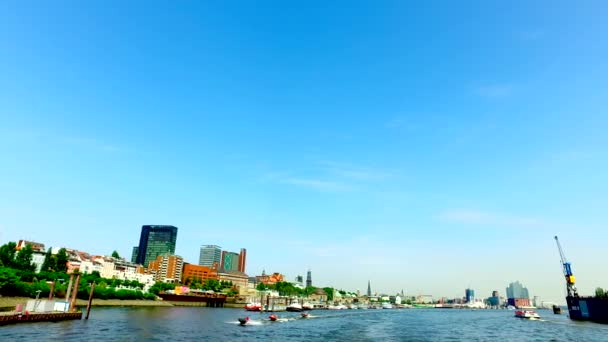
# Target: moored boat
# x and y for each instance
(582, 308)
(294, 307)
(253, 307)
(528, 314)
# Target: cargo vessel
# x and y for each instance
(582, 308)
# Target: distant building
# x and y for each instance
(469, 295)
(242, 260)
(299, 280)
(517, 290)
(270, 279)
(230, 261)
(155, 241)
(308, 279)
(239, 279)
(369, 288)
(517, 295)
(134, 254)
(494, 300)
(36, 246)
(201, 273)
(167, 268)
(210, 256)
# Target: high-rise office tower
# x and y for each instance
(308, 279)
(242, 260)
(155, 240)
(369, 288)
(469, 295)
(210, 256)
(134, 254)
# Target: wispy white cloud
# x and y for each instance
(356, 173)
(494, 90)
(329, 176)
(91, 144)
(478, 217)
(318, 184)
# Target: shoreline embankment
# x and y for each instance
(9, 303)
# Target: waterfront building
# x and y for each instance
(308, 279)
(517, 290)
(230, 261)
(469, 295)
(155, 241)
(239, 279)
(494, 300)
(242, 260)
(201, 273)
(167, 268)
(369, 288)
(517, 295)
(270, 279)
(210, 256)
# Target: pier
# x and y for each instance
(13, 318)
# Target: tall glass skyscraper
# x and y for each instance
(210, 255)
(469, 295)
(155, 241)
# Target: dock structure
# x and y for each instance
(212, 300)
(13, 318)
(47, 310)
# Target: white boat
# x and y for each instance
(387, 306)
(295, 307)
(337, 307)
(307, 306)
(527, 314)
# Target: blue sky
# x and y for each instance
(427, 147)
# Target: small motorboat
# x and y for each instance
(243, 321)
(557, 309)
(304, 314)
(253, 307)
(527, 314)
(273, 317)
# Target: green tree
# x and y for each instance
(330, 293)
(309, 290)
(7, 254)
(600, 292)
(261, 287)
(50, 262)
(213, 285)
(115, 255)
(8, 278)
(23, 260)
(62, 260)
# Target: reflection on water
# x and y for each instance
(210, 324)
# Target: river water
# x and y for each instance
(209, 324)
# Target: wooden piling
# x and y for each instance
(74, 293)
(67, 294)
(51, 294)
(90, 300)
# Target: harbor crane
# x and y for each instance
(567, 271)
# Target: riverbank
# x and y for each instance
(9, 303)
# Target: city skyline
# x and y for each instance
(428, 147)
